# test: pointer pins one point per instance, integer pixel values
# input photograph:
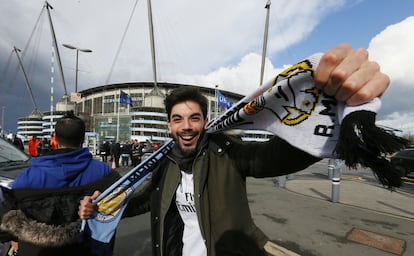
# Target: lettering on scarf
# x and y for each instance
(329, 110)
(229, 119)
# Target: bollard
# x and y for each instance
(336, 180)
(331, 167)
(281, 181)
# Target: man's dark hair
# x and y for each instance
(185, 93)
(70, 130)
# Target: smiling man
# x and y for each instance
(187, 123)
(197, 195)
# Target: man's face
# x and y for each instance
(187, 125)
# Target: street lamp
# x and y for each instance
(77, 56)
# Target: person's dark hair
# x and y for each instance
(182, 94)
(70, 130)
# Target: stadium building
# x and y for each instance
(107, 118)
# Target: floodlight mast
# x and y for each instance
(266, 32)
(52, 30)
(29, 88)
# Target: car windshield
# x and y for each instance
(10, 154)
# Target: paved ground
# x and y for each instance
(367, 220)
(302, 218)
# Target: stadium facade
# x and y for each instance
(105, 116)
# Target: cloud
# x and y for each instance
(242, 78)
(230, 55)
(402, 122)
(392, 48)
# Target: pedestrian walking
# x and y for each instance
(116, 153)
(136, 152)
(125, 154)
(104, 151)
(54, 142)
(33, 146)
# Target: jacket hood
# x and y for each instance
(65, 166)
(41, 234)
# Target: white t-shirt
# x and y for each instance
(192, 239)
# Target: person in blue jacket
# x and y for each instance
(43, 216)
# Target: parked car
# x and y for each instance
(403, 161)
(149, 147)
(12, 162)
(146, 147)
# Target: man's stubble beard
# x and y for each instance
(192, 151)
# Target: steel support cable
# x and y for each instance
(3, 74)
(36, 36)
(121, 43)
(13, 79)
(35, 50)
(33, 32)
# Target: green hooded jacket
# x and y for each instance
(220, 169)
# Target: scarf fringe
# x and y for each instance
(362, 142)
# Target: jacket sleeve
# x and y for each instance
(272, 158)
(6, 205)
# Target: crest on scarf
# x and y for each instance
(295, 106)
(108, 207)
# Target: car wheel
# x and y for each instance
(401, 170)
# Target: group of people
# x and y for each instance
(36, 146)
(124, 152)
(197, 196)
(42, 146)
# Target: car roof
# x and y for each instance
(405, 151)
(12, 162)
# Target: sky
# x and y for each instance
(202, 42)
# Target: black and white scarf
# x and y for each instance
(291, 107)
